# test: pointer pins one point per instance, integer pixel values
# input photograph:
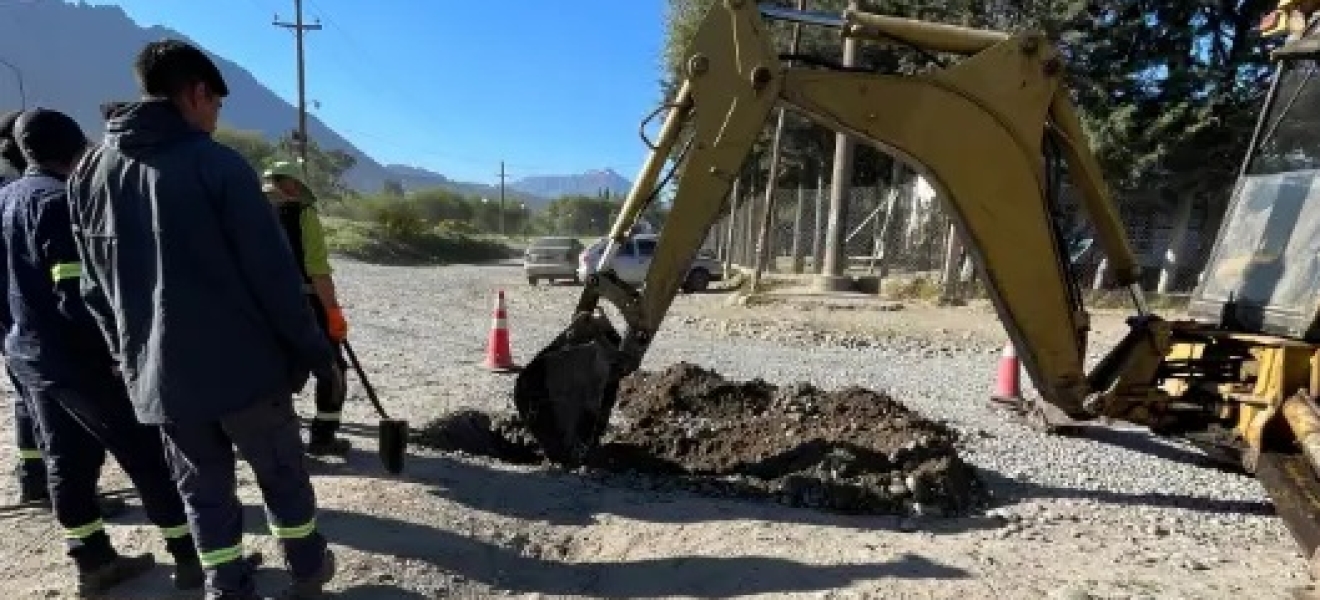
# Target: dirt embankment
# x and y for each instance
(850, 450)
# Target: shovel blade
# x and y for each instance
(566, 393)
(393, 444)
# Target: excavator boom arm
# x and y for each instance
(975, 130)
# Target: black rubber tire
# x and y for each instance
(531, 281)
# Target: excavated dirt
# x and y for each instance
(850, 450)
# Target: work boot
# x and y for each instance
(117, 570)
(33, 495)
(328, 446)
(312, 588)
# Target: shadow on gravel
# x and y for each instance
(1146, 443)
(376, 592)
(1011, 491)
(693, 576)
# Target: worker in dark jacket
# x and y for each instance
(58, 354)
(31, 468)
(205, 311)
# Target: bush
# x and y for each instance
(373, 242)
(453, 227)
(397, 219)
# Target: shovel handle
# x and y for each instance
(362, 376)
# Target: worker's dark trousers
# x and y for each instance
(329, 404)
(79, 425)
(31, 467)
(204, 463)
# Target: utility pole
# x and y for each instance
(298, 27)
(503, 175)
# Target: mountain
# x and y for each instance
(416, 178)
(74, 56)
(590, 183)
(96, 66)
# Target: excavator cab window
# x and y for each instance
(1264, 272)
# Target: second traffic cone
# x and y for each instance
(1008, 383)
(499, 357)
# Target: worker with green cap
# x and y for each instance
(285, 184)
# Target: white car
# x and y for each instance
(634, 259)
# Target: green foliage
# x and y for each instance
(583, 215)
(393, 188)
(395, 219)
(1168, 91)
(369, 242)
(325, 168)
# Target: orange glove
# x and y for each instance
(337, 325)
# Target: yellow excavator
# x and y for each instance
(993, 132)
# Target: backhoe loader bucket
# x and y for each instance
(566, 393)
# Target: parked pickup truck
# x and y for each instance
(634, 259)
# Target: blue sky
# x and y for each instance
(548, 86)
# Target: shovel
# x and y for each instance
(393, 433)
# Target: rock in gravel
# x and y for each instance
(796, 444)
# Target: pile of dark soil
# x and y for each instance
(851, 450)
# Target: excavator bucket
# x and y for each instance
(566, 393)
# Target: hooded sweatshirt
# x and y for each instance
(205, 309)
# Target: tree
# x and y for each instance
(325, 169)
(393, 188)
(1168, 91)
(258, 152)
(578, 215)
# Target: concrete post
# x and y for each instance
(798, 224)
(832, 278)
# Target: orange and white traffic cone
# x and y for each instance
(499, 357)
(1008, 384)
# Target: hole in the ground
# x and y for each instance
(851, 450)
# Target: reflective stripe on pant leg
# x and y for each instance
(106, 411)
(73, 463)
(268, 437)
(321, 416)
(62, 271)
(176, 532)
(202, 459)
(84, 531)
(216, 558)
(296, 532)
(29, 454)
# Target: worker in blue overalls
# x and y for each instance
(31, 468)
(61, 358)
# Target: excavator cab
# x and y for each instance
(1263, 274)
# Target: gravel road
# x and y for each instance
(1113, 515)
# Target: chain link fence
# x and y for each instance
(905, 236)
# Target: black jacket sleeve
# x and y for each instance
(52, 231)
(265, 259)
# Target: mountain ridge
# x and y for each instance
(61, 80)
